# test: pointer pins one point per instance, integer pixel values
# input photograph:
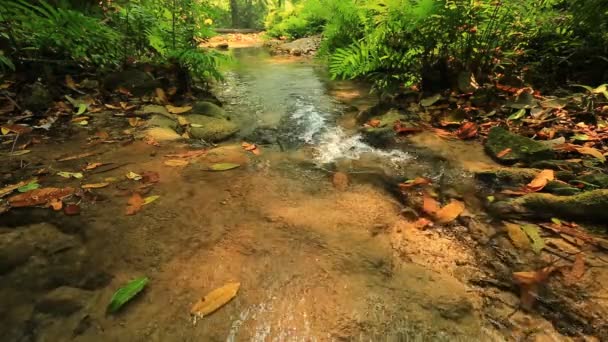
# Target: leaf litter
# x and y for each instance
(214, 300)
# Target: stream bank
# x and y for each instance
(318, 258)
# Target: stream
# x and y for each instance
(315, 263)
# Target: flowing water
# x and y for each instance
(314, 263)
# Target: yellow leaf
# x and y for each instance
(176, 162)
(215, 300)
(150, 199)
(95, 185)
(134, 122)
(5, 131)
(69, 81)
(541, 180)
(109, 106)
(182, 120)
(133, 176)
(517, 236)
(160, 94)
(592, 152)
(178, 110)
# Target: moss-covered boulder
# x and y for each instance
(587, 206)
(138, 82)
(521, 148)
(211, 129)
(164, 122)
(36, 98)
(508, 176)
(154, 109)
(209, 109)
(599, 180)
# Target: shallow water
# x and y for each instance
(314, 263)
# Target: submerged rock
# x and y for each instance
(209, 109)
(162, 134)
(384, 133)
(154, 109)
(138, 82)
(521, 148)
(163, 122)
(211, 129)
(63, 301)
(36, 97)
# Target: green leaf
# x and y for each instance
(126, 293)
(534, 234)
(556, 221)
(581, 137)
(81, 108)
(517, 115)
(491, 199)
(429, 101)
(65, 174)
(223, 166)
(30, 186)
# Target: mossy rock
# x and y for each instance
(557, 165)
(36, 98)
(138, 82)
(164, 122)
(561, 189)
(155, 109)
(209, 109)
(211, 129)
(587, 206)
(384, 133)
(598, 179)
(522, 148)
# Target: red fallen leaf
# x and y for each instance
(503, 152)
(422, 223)
(414, 182)
(19, 129)
(529, 283)
(373, 123)
(253, 148)
(71, 209)
(134, 204)
(39, 196)
(467, 130)
(150, 177)
(541, 180)
(400, 129)
(55, 204)
(429, 204)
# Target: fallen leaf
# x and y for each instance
(188, 154)
(69, 82)
(71, 209)
(422, 223)
(151, 141)
(176, 162)
(33, 185)
(150, 199)
(533, 232)
(55, 204)
(529, 282)
(81, 109)
(19, 153)
(182, 121)
(517, 235)
(65, 174)
(503, 152)
(133, 176)
(150, 177)
(467, 130)
(95, 185)
(577, 271)
(429, 204)
(450, 212)
(373, 123)
(126, 293)
(215, 300)
(161, 96)
(19, 129)
(134, 204)
(91, 166)
(103, 135)
(39, 196)
(413, 182)
(178, 110)
(223, 166)
(592, 152)
(400, 129)
(78, 156)
(135, 122)
(10, 188)
(124, 91)
(109, 106)
(541, 180)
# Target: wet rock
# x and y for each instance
(163, 122)
(154, 109)
(561, 188)
(211, 129)
(512, 176)
(557, 165)
(302, 46)
(36, 97)
(522, 148)
(14, 250)
(209, 109)
(587, 206)
(222, 46)
(89, 84)
(160, 134)
(453, 308)
(63, 301)
(138, 82)
(384, 133)
(598, 179)
(263, 136)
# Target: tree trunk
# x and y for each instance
(234, 12)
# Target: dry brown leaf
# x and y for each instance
(160, 95)
(429, 204)
(592, 152)
(253, 148)
(178, 110)
(39, 196)
(215, 300)
(103, 135)
(467, 130)
(10, 188)
(577, 271)
(135, 122)
(56, 204)
(176, 162)
(517, 235)
(422, 223)
(95, 185)
(450, 212)
(134, 204)
(503, 152)
(414, 182)
(188, 154)
(529, 281)
(91, 166)
(373, 123)
(19, 129)
(109, 106)
(541, 180)
(69, 81)
(124, 91)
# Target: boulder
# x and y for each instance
(163, 122)
(154, 109)
(160, 134)
(14, 249)
(63, 301)
(138, 82)
(522, 148)
(36, 97)
(263, 136)
(211, 129)
(384, 133)
(209, 109)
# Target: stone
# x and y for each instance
(453, 308)
(36, 98)
(209, 109)
(263, 136)
(384, 133)
(222, 46)
(163, 122)
(63, 301)
(14, 249)
(522, 148)
(211, 129)
(154, 109)
(138, 82)
(160, 134)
